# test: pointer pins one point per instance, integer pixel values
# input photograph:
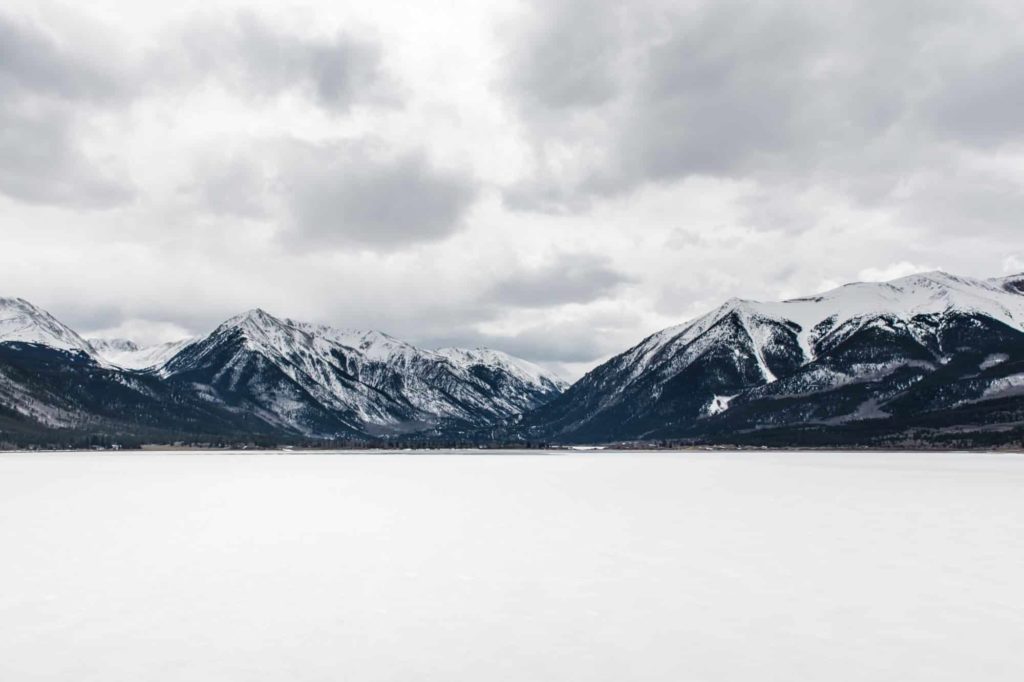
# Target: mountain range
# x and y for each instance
(931, 359)
(255, 375)
(925, 358)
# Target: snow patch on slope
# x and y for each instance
(719, 404)
(993, 361)
(1004, 387)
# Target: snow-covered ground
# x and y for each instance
(585, 566)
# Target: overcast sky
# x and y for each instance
(556, 179)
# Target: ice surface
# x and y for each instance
(584, 567)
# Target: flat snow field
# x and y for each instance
(599, 566)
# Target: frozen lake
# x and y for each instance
(579, 567)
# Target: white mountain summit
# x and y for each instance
(22, 322)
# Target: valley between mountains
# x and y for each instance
(930, 360)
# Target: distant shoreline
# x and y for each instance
(171, 449)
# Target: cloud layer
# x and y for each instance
(47, 90)
(557, 179)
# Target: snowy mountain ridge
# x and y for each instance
(866, 363)
(368, 376)
(844, 309)
(526, 370)
(289, 376)
(863, 350)
(265, 332)
(127, 354)
(927, 293)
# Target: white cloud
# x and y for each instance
(892, 271)
(556, 178)
(142, 332)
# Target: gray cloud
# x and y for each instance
(570, 278)
(44, 90)
(558, 343)
(51, 89)
(230, 183)
(545, 344)
(856, 98)
(32, 61)
(952, 201)
(40, 161)
(725, 87)
(566, 343)
(565, 57)
(356, 194)
(983, 104)
(729, 86)
(252, 56)
(710, 148)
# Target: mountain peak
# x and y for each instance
(740, 305)
(936, 274)
(254, 320)
(255, 315)
(14, 303)
(933, 277)
(23, 322)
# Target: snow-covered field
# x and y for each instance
(590, 566)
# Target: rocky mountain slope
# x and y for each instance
(296, 373)
(932, 358)
(254, 374)
(890, 355)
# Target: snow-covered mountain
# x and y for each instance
(1014, 283)
(22, 322)
(496, 360)
(55, 388)
(127, 354)
(257, 375)
(922, 343)
(315, 378)
(931, 357)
